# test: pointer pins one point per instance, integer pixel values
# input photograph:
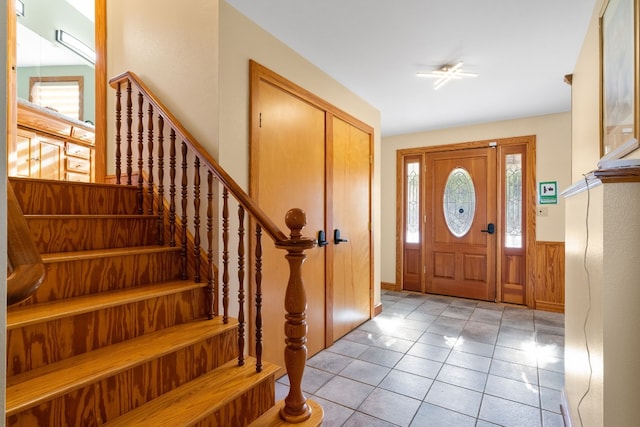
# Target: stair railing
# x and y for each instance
(25, 268)
(143, 107)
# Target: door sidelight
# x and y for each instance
(336, 237)
(491, 228)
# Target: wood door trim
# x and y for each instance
(100, 170)
(530, 212)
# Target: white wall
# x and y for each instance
(553, 163)
(242, 40)
(174, 50)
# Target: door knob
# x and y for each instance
(322, 238)
(336, 237)
(491, 228)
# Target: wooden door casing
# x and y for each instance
(461, 266)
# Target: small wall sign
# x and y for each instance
(548, 193)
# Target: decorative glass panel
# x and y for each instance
(412, 232)
(459, 202)
(513, 195)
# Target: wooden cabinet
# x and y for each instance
(51, 146)
(37, 156)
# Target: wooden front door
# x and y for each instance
(460, 223)
(288, 170)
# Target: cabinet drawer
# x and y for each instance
(78, 150)
(76, 164)
(78, 177)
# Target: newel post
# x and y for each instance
(295, 407)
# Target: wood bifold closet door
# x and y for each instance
(304, 157)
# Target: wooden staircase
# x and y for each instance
(112, 336)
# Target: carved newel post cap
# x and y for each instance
(295, 219)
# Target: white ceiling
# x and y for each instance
(521, 49)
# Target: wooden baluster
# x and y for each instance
(258, 277)
(196, 220)
(295, 408)
(140, 197)
(150, 161)
(240, 285)
(172, 188)
(225, 255)
(183, 253)
(211, 309)
(118, 130)
(160, 180)
(129, 133)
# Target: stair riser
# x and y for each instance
(83, 277)
(63, 197)
(107, 399)
(245, 409)
(53, 235)
(37, 345)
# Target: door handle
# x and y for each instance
(322, 238)
(491, 228)
(336, 237)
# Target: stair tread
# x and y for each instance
(105, 253)
(44, 312)
(90, 216)
(39, 385)
(198, 398)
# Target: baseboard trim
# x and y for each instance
(377, 309)
(550, 306)
(388, 286)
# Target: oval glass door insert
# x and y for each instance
(459, 204)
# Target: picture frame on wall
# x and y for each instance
(619, 68)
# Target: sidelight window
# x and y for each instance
(513, 201)
(412, 223)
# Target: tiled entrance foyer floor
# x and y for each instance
(438, 361)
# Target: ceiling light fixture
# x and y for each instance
(76, 45)
(446, 73)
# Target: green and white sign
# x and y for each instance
(548, 193)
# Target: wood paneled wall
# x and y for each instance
(549, 280)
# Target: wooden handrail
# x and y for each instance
(261, 217)
(26, 270)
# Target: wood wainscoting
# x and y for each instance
(549, 283)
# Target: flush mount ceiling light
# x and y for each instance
(446, 73)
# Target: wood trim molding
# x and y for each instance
(377, 309)
(101, 90)
(616, 175)
(387, 286)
